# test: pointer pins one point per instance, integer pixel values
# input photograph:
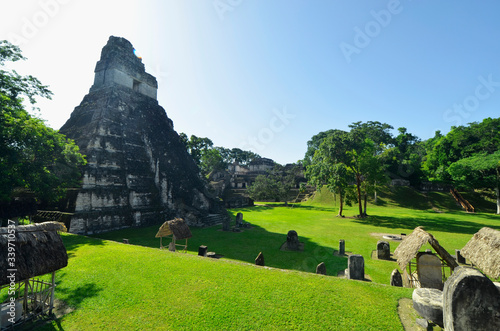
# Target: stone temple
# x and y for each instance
(138, 171)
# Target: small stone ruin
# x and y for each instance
(429, 270)
(321, 269)
(396, 279)
(469, 301)
(240, 223)
(341, 247)
(292, 242)
(355, 267)
(202, 250)
(259, 260)
(383, 250)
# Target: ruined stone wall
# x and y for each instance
(138, 171)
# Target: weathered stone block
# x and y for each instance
(239, 220)
(341, 247)
(259, 260)
(321, 268)
(202, 250)
(383, 250)
(356, 267)
(428, 302)
(429, 270)
(396, 279)
(292, 241)
(471, 301)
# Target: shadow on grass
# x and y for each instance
(246, 245)
(243, 246)
(437, 223)
(72, 242)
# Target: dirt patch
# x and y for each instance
(60, 309)
(408, 316)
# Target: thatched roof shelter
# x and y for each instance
(178, 227)
(483, 250)
(410, 246)
(38, 250)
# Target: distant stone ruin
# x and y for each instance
(138, 171)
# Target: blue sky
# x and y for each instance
(268, 75)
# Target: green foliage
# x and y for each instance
(209, 158)
(32, 155)
(404, 159)
(479, 171)
(328, 167)
(276, 185)
(460, 143)
(344, 158)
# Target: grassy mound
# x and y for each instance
(406, 197)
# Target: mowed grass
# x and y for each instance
(140, 287)
(114, 286)
(398, 211)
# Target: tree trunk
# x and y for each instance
(358, 184)
(341, 207)
(364, 206)
(375, 193)
(498, 200)
(497, 189)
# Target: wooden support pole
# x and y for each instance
(53, 285)
(443, 253)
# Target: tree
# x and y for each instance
(404, 158)
(313, 146)
(370, 140)
(328, 167)
(32, 156)
(479, 171)
(263, 188)
(196, 146)
(211, 160)
(460, 143)
(376, 132)
(276, 185)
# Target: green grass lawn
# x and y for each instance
(127, 287)
(116, 286)
(320, 231)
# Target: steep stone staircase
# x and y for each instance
(464, 203)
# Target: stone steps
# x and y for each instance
(213, 219)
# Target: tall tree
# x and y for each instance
(313, 145)
(328, 167)
(32, 155)
(373, 167)
(404, 159)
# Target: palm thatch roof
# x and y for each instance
(38, 249)
(410, 246)
(483, 250)
(178, 227)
